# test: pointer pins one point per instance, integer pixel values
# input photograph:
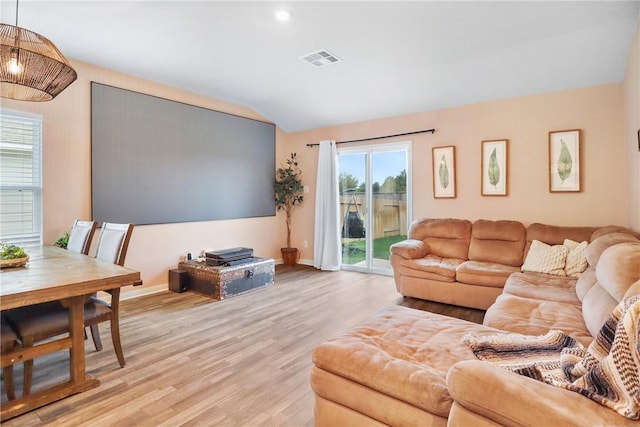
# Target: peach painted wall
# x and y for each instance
(154, 249)
(632, 128)
(525, 121)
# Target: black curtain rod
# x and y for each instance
(379, 137)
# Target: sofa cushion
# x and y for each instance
(401, 352)
(484, 273)
(500, 242)
(536, 317)
(342, 402)
(612, 229)
(585, 282)
(409, 249)
(430, 267)
(447, 238)
(576, 259)
(543, 287)
(543, 258)
(634, 289)
(517, 400)
(599, 245)
(618, 268)
(555, 234)
(597, 306)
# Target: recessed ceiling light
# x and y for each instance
(283, 15)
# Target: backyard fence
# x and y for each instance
(389, 212)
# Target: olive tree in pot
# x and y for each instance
(288, 190)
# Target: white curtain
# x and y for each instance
(326, 242)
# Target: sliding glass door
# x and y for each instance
(375, 203)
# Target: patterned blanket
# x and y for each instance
(608, 371)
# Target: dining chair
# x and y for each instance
(112, 247)
(8, 342)
(80, 236)
(42, 321)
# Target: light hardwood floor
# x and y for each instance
(244, 361)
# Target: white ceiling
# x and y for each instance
(397, 57)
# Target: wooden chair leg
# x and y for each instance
(115, 337)
(7, 373)
(28, 367)
(95, 334)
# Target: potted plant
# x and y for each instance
(12, 255)
(288, 190)
(63, 241)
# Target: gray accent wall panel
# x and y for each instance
(159, 161)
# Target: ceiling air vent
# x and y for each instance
(320, 58)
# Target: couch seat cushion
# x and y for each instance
(430, 267)
(401, 352)
(543, 287)
(484, 273)
(537, 317)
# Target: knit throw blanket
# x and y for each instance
(608, 371)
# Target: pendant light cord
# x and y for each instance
(17, 13)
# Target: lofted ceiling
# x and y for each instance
(395, 57)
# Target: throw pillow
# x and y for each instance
(543, 258)
(576, 258)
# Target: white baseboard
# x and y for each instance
(138, 292)
(300, 261)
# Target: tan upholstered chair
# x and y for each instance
(42, 321)
(8, 338)
(80, 236)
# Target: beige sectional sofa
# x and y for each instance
(408, 367)
(458, 262)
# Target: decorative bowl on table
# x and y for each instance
(15, 262)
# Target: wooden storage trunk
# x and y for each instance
(220, 282)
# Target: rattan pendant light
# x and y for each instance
(31, 67)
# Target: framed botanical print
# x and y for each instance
(443, 163)
(564, 161)
(494, 168)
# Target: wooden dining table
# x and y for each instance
(52, 274)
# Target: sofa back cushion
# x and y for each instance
(600, 244)
(444, 237)
(586, 281)
(613, 229)
(500, 242)
(617, 271)
(555, 234)
(633, 290)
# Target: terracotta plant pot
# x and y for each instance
(290, 256)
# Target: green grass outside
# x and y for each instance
(354, 252)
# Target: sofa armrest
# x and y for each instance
(510, 399)
(410, 249)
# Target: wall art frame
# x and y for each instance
(565, 169)
(494, 168)
(443, 162)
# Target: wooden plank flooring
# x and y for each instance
(244, 361)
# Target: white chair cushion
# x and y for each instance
(78, 238)
(110, 244)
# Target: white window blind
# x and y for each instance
(20, 178)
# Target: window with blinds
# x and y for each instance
(20, 178)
